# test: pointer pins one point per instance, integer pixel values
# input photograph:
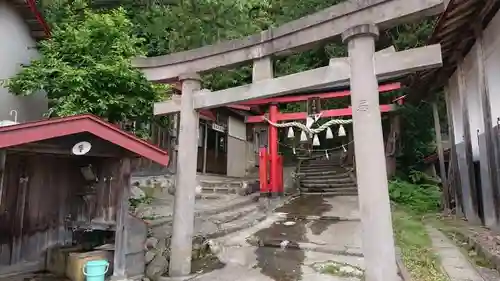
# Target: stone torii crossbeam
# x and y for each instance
(358, 22)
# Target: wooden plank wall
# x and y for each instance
(33, 207)
(40, 195)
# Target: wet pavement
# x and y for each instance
(310, 238)
(286, 264)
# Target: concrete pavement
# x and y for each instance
(310, 238)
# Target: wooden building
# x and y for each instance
(61, 176)
(469, 33)
(226, 144)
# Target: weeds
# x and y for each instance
(416, 247)
(418, 195)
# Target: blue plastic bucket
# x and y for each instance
(96, 270)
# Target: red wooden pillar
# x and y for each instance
(263, 160)
(273, 149)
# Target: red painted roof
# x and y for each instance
(58, 127)
(38, 16)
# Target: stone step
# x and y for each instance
(321, 169)
(226, 207)
(233, 214)
(218, 224)
(328, 176)
(314, 180)
(332, 174)
(220, 183)
(327, 189)
(351, 192)
(236, 225)
(322, 162)
(333, 167)
(226, 187)
(328, 185)
(331, 164)
(330, 167)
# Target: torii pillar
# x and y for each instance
(374, 204)
(185, 191)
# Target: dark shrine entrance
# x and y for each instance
(212, 146)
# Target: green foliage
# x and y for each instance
(411, 35)
(160, 27)
(417, 136)
(135, 202)
(420, 194)
(85, 67)
(417, 127)
(416, 247)
(172, 28)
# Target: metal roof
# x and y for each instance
(29, 12)
(30, 132)
(455, 32)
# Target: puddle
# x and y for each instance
(280, 265)
(309, 205)
(319, 226)
(313, 205)
(286, 264)
(206, 264)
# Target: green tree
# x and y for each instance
(85, 67)
(168, 26)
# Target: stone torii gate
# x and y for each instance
(358, 22)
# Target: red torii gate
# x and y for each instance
(275, 185)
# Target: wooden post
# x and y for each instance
(466, 166)
(440, 151)
(119, 267)
(375, 209)
(391, 145)
(489, 177)
(20, 210)
(264, 191)
(3, 159)
(102, 192)
(453, 154)
(205, 144)
(217, 149)
(280, 189)
(175, 141)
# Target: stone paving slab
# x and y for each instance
(319, 241)
(245, 261)
(454, 263)
(344, 207)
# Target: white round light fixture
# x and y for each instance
(81, 148)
